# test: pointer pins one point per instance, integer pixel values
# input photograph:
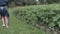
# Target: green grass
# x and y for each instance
(19, 27)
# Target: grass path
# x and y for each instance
(19, 27)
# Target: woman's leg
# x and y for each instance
(3, 20)
(6, 19)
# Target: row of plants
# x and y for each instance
(49, 17)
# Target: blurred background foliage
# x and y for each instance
(32, 2)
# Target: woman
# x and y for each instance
(3, 12)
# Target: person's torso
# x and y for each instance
(3, 3)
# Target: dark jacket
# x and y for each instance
(4, 2)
